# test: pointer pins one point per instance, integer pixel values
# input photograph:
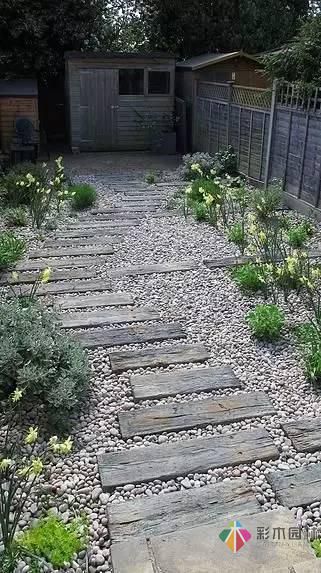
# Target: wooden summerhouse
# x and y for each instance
(120, 101)
(18, 98)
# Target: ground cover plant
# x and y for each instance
(83, 195)
(266, 322)
(11, 249)
(16, 216)
(248, 277)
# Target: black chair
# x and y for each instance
(25, 143)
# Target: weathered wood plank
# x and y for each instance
(154, 268)
(242, 259)
(132, 208)
(176, 417)
(305, 434)
(189, 508)
(113, 299)
(63, 275)
(151, 386)
(97, 232)
(112, 225)
(82, 241)
(139, 465)
(72, 252)
(71, 286)
(40, 264)
(121, 361)
(297, 487)
(113, 316)
(130, 335)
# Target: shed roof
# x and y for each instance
(10, 88)
(120, 55)
(205, 60)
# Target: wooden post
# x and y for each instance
(287, 150)
(250, 145)
(303, 154)
(194, 115)
(270, 136)
(229, 101)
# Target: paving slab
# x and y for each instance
(200, 549)
(130, 335)
(72, 251)
(193, 414)
(113, 299)
(153, 357)
(64, 263)
(305, 434)
(154, 268)
(110, 316)
(82, 241)
(63, 275)
(97, 232)
(187, 508)
(181, 458)
(72, 286)
(193, 380)
(297, 487)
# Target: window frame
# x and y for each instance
(148, 69)
(167, 70)
(131, 69)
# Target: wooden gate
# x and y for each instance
(98, 109)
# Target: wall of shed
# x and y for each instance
(130, 133)
(10, 109)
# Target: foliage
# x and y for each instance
(14, 194)
(266, 322)
(309, 337)
(298, 236)
(210, 192)
(83, 195)
(16, 216)
(204, 161)
(31, 296)
(39, 360)
(248, 277)
(150, 177)
(225, 162)
(237, 235)
(266, 202)
(54, 541)
(299, 61)
(11, 249)
(199, 211)
(316, 546)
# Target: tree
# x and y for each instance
(301, 60)
(35, 34)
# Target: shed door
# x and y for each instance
(98, 109)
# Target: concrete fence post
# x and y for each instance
(270, 135)
(229, 101)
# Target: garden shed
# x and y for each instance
(18, 98)
(119, 101)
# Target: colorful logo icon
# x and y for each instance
(235, 536)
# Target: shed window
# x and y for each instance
(159, 82)
(131, 82)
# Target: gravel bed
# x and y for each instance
(212, 311)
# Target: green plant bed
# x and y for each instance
(298, 236)
(11, 249)
(83, 196)
(309, 338)
(266, 322)
(14, 194)
(248, 277)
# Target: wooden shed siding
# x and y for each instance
(10, 109)
(130, 134)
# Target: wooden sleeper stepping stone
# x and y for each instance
(297, 487)
(82, 241)
(128, 209)
(241, 260)
(188, 508)
(154, 268)
(96, 225)
(97, 232)
(63, 275)
(130, 335)
(40, 264)
(305, 434)
(71, 286)
(101, 317)
(197, 455)
(193, 414)
(152, 386)
(152, 357)
(114, 299)
(72, 252)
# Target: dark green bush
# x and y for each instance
(83, 195)
(150, 177)
(16, 216)
(199, 211)
(11, 249)
(37, 357)
(248, 277)
(298, 236)
(15, 195)
(225, 162)
(266, 322)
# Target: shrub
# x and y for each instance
(267, 201)
(236, 234)
(225, 162)
(11, 249)
(150, 177)
(310, 341)
(83, 195)
(205, 161)
(316, 546)
(199, 211)
(37, 357)
(298, 236)
(16, 217)
(54, 541)
(15, 195)
(248, 277)
(266, 321)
